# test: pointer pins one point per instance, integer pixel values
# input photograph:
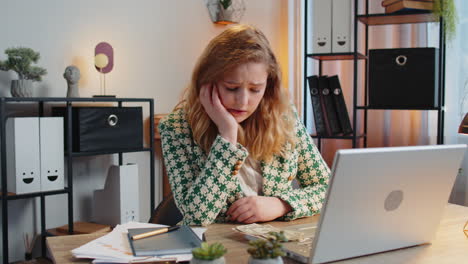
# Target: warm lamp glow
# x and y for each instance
(101, 60)
(465, 229)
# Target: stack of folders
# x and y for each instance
(332, 26)
(329, 107)
(407, 5)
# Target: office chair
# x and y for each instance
(167, 212)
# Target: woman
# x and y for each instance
(235, 144)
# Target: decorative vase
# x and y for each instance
(232, 14)
(277, 260)
(21, 88)
(202, 261)
(224, 16)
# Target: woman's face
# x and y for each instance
(242, 89)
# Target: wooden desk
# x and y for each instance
(449, 246)
(60, 247)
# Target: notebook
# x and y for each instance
(381, 199)
(180, 241)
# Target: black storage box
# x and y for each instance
(104, 128)
(404, 78)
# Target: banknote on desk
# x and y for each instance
(298, 233)
(300, 237)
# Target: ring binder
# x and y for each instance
(316, 106)
(328, 108)
(340, 105)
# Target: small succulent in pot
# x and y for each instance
(267, 251)
(209, 254)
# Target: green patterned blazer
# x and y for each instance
(204, 186)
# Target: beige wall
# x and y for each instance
(156, 43)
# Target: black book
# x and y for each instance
(316, 105)
(180, 241)
(340, 105)
(328, 107)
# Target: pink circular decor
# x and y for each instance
(105, 48)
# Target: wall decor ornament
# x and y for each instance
(226, 11)
(72, 76)
(20, 60)
(104, 63)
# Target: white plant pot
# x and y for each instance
(201, 261)
(277, 260)
(21, 88)
(232, 14)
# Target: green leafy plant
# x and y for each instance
(446, 9)
(20, 60)
(268, 248)
(225, 3)
(209, 252)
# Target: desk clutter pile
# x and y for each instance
(114, 247)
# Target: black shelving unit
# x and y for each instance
(69, 155)
(373, 20)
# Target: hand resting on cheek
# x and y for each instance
(226, 123)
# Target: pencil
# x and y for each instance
(155, 232)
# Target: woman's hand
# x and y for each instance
(226, 123)
(253, 209)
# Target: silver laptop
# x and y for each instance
(380, 199)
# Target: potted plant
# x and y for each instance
(20, 60)
(267, 251)
(226, 11)
(225, 14)
(209, 254)
(446, 10)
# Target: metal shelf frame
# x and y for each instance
(69, 155)
(367, 20)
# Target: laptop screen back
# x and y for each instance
(381, 199)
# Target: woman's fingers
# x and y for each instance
(232, 207)
(211, 102)
(215, 98)
(204, 94)
(238, 208)
(250, 220)
(246, 217)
